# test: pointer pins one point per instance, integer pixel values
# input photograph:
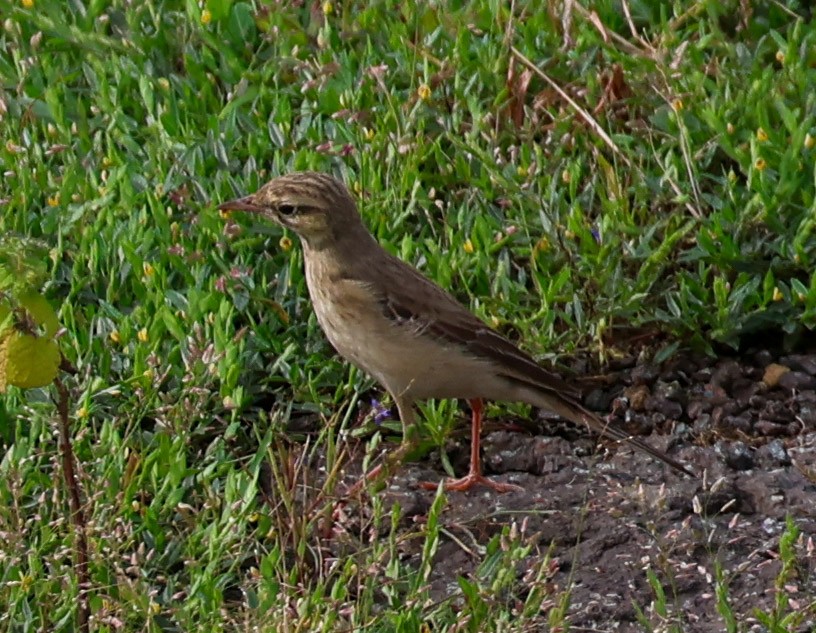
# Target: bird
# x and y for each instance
(408, 333)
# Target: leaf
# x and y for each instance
(41, 311)
(5, 317)
(27, 361)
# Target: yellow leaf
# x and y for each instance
(41, 311)
(27, 361)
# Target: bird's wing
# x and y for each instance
(411, 300)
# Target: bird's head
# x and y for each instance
(316, 206)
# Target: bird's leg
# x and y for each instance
(474, 475)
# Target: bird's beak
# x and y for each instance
(241, 204)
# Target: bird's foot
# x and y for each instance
(468, 481)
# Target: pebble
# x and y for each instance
(669, 390)
(773, 373)
(645, 374)
(637, 396)
(800, 362)
(807, 413)
(774, 453)
(763, 358)
(669, 408)
(696, 408)
(742, 422)
(797, 380)
(771, 429)
(725, 373)
(776, 411)
(738, 456)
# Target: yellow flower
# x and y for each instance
(53, 201)
(762, 135)
(677, 105)
(777, 294)
(780, 57)
(368, 134)
(27, 4)
(206, 17)
(760, 164)
(114, 336)
(164, 83)
(809, 141)
(82, 412)
(26, 580)
(468, 246)
(148, 373)
(566, 177)
(328, 8)
(142, 335)
(424, 92)
(148, 269)
(285, 244)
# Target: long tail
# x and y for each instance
(577, 414)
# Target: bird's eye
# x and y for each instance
(287, 209)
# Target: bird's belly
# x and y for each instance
(408, 364)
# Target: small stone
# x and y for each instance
(744, 390)
(670, 391)
(797, 380)
(696, 408)
(807, 413)
(671, 409)
(702, 424)
(637, 396)
(763, 358)
(773, 373)
(645, 374)
(682, 430)
(776, 411)
(800, 362)
(757, 401)
(718, 413)
(637, 423)
(725, 373)
(738, 456)
(771, 429)
(771, 526)
(742, 422)
(774, 453)
(715, 394)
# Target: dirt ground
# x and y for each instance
(747, 427)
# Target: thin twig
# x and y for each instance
(75, 506)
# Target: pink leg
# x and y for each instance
(474, 476)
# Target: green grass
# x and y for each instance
(124, 124)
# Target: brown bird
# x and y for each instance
(412, 336)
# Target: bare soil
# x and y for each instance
(607, 514)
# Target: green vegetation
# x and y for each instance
(666, 186)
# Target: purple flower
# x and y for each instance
(381, 412)
(596, 233)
